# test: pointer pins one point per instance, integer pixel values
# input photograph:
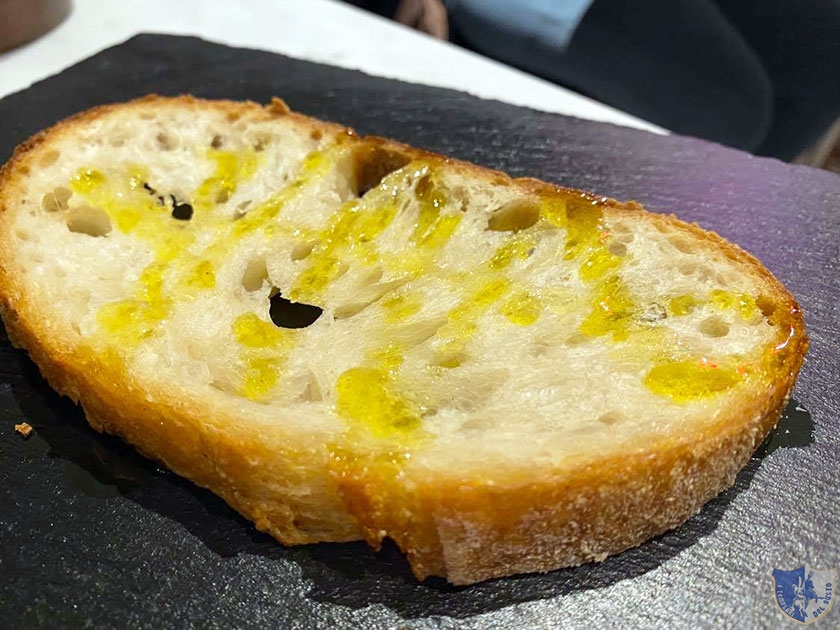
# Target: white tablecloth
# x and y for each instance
(319, 30)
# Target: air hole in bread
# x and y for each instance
(449, 360)
(287, 314)
(165, 141)
(56, 199)
(610, 417)
(48, 158)
(371, 164)
(346, 311)
(312, 392)
(223, 385)
(543, 345)
(89, 220)
(181, 210)
(254, 275)
(343, 268)
(222, 196)
(576, 339)
(682, 244)
(617, 248)
(313, 527)
(261, 141)
(372, 276)
(726, 279)
(23, 235)
(414, 333)
(423, 187)
(371, 292)
(714, 327)
(766, 305)
(621, 230)
(302, 250)
(217, 142)
(701, 272)
(242, 209)
(654, 312)
(316, 134)
(518, 214)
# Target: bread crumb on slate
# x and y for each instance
(24, 429)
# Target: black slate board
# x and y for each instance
(93, 534)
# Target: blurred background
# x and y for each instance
(762, 76)
(758, 75)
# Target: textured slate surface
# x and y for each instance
(93, 534)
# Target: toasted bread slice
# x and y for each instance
(350, 338)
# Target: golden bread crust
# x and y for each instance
(466, 530)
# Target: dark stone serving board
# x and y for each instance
(93, 534)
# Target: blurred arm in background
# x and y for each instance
(428, 16)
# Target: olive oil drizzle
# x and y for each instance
(372, 394)
(126, 200)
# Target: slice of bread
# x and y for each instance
(501, 375)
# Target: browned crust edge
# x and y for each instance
(466, 531)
